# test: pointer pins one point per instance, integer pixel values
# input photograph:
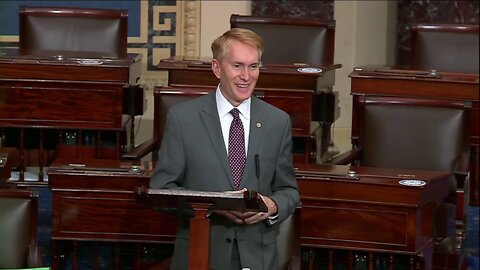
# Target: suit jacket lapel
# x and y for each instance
(209, 116)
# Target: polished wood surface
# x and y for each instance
(197, 71)
(382, 80)
(94, 200)
(249, 201)
(102, 194)
(367, 209)
(462, 87)
(42, 90)
(101, 200)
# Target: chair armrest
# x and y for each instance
(461, 169)
(141, 151)
(294, 260)
(462, 164)
(163, 265)
(34, 256)
(345, 158)
(295, 263)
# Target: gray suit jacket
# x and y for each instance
(193, 156)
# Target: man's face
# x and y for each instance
(238, 72)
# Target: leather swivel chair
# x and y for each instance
(18, 229)
(291, 40)
(164, 98)
(411, 133)
(288, 243)
(445, 47)
(62, 29)
(300, 42)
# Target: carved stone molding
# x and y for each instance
(172, 30)
(191, 28)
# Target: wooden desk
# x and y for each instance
(385, 81)
(306, 97)
(197, 71)
(47, 91)
(99, 205)
(372, 212)
(337, 212)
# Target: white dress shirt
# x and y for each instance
(224, 107)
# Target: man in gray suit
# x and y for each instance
(198, 153)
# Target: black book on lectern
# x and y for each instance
(249, 201)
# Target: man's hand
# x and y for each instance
(271, 205)
(250, 217)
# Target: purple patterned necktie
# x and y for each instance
(236, 148)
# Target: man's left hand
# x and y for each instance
(251, 217)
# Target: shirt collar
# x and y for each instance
(224, 107)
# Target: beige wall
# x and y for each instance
(215, 19)
(365, 34)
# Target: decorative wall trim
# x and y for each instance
(172, 30)
(191, 27)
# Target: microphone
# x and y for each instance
(257, 165)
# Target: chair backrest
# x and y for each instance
(18, 226)
(445, 47)
(412, 133)
(74, 30)
(288, 243)
(291, 40)
(167, 96)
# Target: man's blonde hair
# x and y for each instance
(221, 44)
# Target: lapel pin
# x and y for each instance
(259, 125)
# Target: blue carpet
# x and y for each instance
(45, 224)
(472, 245)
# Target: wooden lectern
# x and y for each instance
(201, 202)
